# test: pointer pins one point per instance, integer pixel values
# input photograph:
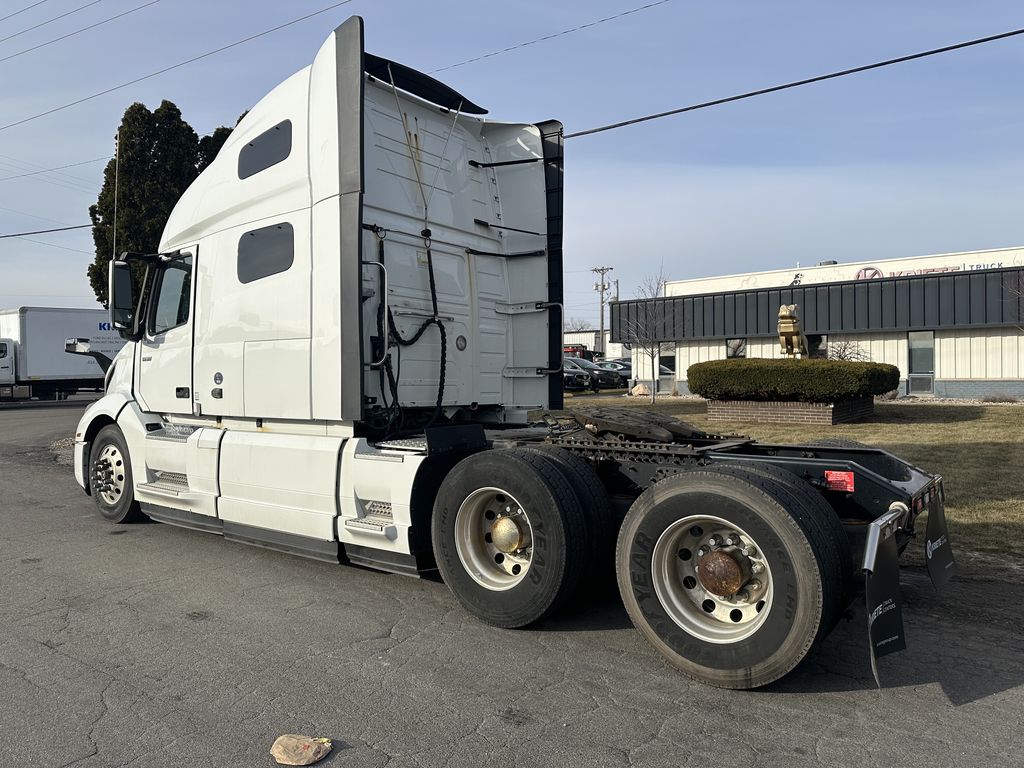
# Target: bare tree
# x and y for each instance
(848, 350)
(577, 324)
(1015, 285)
(642, 320)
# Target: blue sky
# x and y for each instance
(923, 157)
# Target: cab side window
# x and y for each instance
(3, 351)
(173, 296)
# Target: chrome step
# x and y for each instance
(418, 444)
(167, 483)
(171, 433)
(373, 525)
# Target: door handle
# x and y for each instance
(182, 392)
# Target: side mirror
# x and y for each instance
(121, 297)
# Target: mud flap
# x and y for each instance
(882, 589)
(937, 549)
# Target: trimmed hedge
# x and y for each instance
(805, 380)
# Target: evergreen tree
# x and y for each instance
(210, 145)
(159, 156)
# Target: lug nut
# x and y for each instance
(742, 595)
(756, 568)
(715, 541)
(733, 540)
(702, 551)
(754, 585)
(750, 550)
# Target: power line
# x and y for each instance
(550, 37)
(797, 83)
(54, 245)
(13, 167)
(175, 66)
(29, 8)
(78, 31)
(50, 21)
(63, 183)
(24, 165)
(32, 216)
(49, 170)
(44, 231)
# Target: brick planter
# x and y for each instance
(782, 412)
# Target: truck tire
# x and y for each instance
(771, 584)
(509, 536)
(817, 516)
(597, 507)
(110, 477)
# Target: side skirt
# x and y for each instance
(182, 519)
(289, 543)
(382, 560)
(315, 549)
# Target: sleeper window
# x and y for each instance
(267, 149)
(265, 251)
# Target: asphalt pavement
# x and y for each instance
(152, 646)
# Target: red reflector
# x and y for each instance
(839, 481)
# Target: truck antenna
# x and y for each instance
(117, 164)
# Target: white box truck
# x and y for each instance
(33, 357)
(353, 311)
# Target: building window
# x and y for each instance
(817, 346)
(266, 251)
(267, 149)
(735, 348)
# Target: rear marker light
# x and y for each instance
(839, 481)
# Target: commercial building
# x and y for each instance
(952, 323)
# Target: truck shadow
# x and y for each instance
(951, 640)
(601, 609)
(945, 639)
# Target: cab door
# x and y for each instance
(6, 362)
(165, 349)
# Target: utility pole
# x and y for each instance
(602, 287)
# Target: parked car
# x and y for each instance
(575, 380)
(600, 378)
(623, 368)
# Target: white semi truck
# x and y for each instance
(354, 310)
(34, 361)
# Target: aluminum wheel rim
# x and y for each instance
(495, 564)
(689, 603)
(108, 474)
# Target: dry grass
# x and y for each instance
(978, 450)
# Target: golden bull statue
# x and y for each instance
(791, 337)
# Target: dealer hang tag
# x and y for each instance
(937, 550)
(884, 603)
